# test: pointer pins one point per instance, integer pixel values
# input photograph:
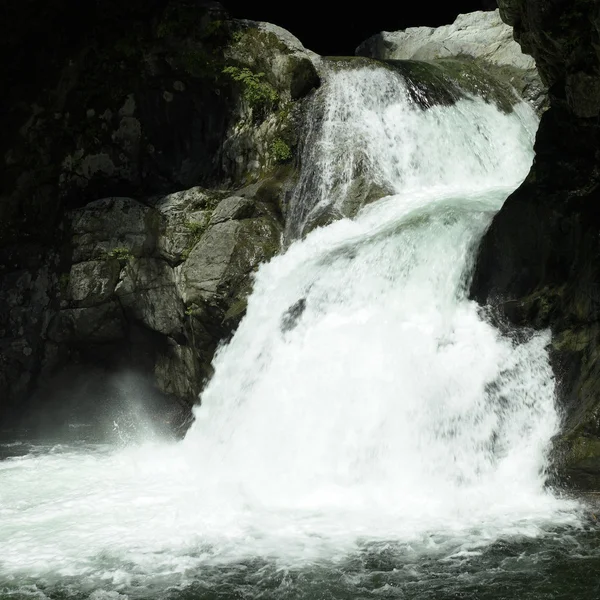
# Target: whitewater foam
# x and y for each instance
(363, 396)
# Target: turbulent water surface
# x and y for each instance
(366, 434)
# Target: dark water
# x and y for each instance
(560, 563)
(565, 564)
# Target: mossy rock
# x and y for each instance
(264, 48)
(445, 81)
(442, 81)
(235, 313)
(578, 462)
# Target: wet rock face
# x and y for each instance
(481, 37)
(168, 276)
(563, 38)
(140, 190)
(539, 263)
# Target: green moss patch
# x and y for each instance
(281, 151)
(260, 94)
(120, 253)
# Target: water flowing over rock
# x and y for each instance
(479, 36)
(159, 169)
(366, 429)
(341, 138)
(539, 264)
(363, 406)
(134, 218)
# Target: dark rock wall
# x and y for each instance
(539, 264)
(137, 141)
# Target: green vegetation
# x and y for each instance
(285, 110)
(281, 151)
(260, 94)
(207, 200)
(192, 309)
(185, 254)
(197, 229)
(237, 37)
(120, 253)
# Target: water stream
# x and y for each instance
(366, 433)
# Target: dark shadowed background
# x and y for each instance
(336, 28)
(38, 37)
(32, 31)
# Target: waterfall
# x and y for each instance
(369, 136)
(363, 396)
(362, 375)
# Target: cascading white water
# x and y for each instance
(366, 127)
(362, 397)
(361, 363)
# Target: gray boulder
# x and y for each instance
(479, 36)
(219, 265)
(272, 73)
(185, 215)
(267, 48)
(148, 294)
(158, 286)
(113, 227)
(482, 35)
(93, 282)
(177, 371)
(234, 207)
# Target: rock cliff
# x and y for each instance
(141, 187)
(481, 37)
(539, 264)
